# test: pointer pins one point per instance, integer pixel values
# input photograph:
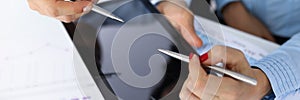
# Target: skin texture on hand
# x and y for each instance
(62, 10)
(229, 88)
(236, 15)
(182, 19)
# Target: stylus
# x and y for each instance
(235, 75)
(106, 13)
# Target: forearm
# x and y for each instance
(237, 16)
(282, 67)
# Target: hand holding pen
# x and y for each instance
(197, 85)
(68, 10)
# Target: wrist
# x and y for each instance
(263, 85)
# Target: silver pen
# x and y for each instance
(106, 13)
(235, 75)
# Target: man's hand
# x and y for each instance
(237, 16)
(62, 10)
(182, 19)
(229, 88)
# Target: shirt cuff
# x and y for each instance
(280, 72)
(221, 4)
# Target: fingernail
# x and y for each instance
(191, 55)
(203, 57)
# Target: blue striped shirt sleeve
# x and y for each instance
(282, 67)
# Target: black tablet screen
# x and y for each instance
(126, 55)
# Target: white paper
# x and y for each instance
(36, 57)
(253, 47)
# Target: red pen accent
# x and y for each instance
(203, 57)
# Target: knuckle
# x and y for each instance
(76, 9)
(195, 87)
(52, 12)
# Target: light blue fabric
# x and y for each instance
(280, 16)
(282, 67)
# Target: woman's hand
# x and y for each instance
(182, 19)
(196, 87)
(62, 10)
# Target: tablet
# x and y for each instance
(123, 58)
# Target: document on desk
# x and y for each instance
(214, 33)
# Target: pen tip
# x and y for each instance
(160, 50)
(119, 19)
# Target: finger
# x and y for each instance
(195, 68)
(71, 8)
(173, 22)
(185, 94)
(183, 20)
(189, 96)
(204, 88)
(211, 87)
(229, 89)
(195, 88)
(184, 91)
(77, 16)
(197, 76)
(193, 97)
(188, 32)
(225, 55)
(67, 18)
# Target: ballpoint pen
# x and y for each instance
(106, 13)
(235, 75)
(102, 11)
